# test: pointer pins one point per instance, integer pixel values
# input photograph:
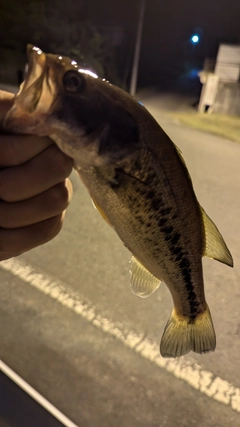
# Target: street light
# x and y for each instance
(195, 39)
(133, 82)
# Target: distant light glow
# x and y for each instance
(193, 73)
(195, 38)
(90, 73)
(60, 57)
(73, 63)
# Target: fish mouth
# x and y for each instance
(36, 94)
(31, 89)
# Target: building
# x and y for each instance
(221, 82)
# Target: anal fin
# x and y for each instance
(215, 247)
(143, 283)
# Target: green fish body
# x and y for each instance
(138, 181)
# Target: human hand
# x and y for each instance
(34, 189)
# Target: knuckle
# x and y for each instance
(52, 227)
(7, 243)
(7, 149)
(16, 241)
(59, 196)
(5, 217)
(5, 187)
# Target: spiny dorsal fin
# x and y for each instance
(143, 283)
(215, 247)
(182, 335)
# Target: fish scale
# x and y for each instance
(153, 252)
(138, 181)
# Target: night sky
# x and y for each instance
(168, 26)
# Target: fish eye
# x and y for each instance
(73, 81)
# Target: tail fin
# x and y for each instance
(182, 335)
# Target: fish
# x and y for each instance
(137, 179)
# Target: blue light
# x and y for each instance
(195, 38)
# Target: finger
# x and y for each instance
(7, 255)
(18, 149)
(6, 101)
(14, 149)
(39, 208)
(41, 173)
(19, 240)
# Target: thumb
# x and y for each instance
(6, 101)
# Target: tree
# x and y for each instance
(55, 26)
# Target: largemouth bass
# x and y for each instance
(138, 181)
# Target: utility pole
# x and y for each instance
(133, 82)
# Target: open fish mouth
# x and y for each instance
(32, 88)
(36, 94)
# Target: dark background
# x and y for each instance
(168, 27)
(101, 35)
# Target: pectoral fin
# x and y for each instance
(215, 247)
(143, 283)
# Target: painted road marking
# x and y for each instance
(192, 373)
(35, 395)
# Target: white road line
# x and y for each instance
(192, 373)
(35, 395)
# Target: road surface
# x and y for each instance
(73, 330)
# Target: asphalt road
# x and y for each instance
(20, 409)
(88, 372)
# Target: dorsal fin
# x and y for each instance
(143, 283)
(215, 247)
